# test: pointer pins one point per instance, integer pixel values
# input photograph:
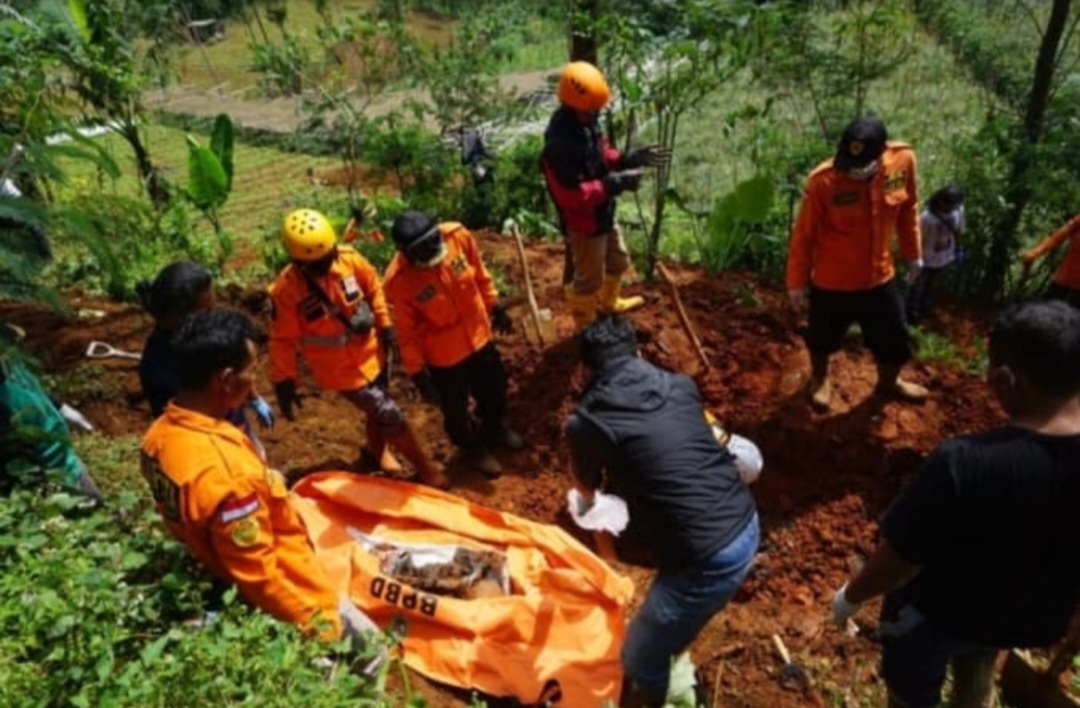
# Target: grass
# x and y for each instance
(113, 461)
(929, 102)
(265, 179)
(226, 64)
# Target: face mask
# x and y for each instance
(426, 251)
(863, 173)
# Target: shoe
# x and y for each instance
(431, 473)
(481, 460)
(904, 391)
(821, 392)
(891, 385)
(611, 303)
(510, 439)
(384, 463)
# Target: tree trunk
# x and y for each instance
(584, 46)
(155, 185)
(1018, 191)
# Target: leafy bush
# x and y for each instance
(100, 607)
(140, 242)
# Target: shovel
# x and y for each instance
(102, 350)
(792, 675)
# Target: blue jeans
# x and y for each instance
(679, 605)
(915, 655)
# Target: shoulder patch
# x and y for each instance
(896, 180)
(236, 508)
(165, 491)
(245, 533)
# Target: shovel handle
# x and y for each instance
(102, 350)
(781, 649)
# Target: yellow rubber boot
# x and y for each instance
(582, 308)
(611, 303)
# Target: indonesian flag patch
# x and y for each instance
(237, 508)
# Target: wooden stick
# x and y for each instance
(683, 318)
(534, 311)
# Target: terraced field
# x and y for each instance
(265, 179)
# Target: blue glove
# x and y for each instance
(262, 411)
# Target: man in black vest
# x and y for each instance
(639, 432)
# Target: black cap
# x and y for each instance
(410, 227)
(863, 142)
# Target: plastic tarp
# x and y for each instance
(555, 637)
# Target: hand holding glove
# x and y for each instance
(426, 388)
(287, 397)
(648, 156)
(799, 299)
(615, 183)
(263, 412)
(500, 320)
(843, 610)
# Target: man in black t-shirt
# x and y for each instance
(979, 552)
(639, 432)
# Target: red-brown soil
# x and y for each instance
(827, 476)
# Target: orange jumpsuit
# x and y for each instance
(339, 359)
(843, 233)
(442, 313)
(233, 513)
(1068, 273)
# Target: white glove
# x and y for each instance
(606, 513)
(748, 458)
(74, 417)
(914, 268)
(799, 299)
(842, 609)
(354, 623)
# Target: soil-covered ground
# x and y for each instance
(827, 476)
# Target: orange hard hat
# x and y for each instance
(583, 88)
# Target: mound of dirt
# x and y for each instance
(827, 476)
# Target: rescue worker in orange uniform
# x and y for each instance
(840, 265)
(584, 174)
(328, 304)
(445, 306)
(219, 497)
(1066, 285)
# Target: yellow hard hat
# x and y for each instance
(583, 88)
(308, 235)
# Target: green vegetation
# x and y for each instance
(100, 607)
(750, 95)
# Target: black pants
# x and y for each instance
(921, 293)
(1063, 293)
(482, 378)
(878, 312)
